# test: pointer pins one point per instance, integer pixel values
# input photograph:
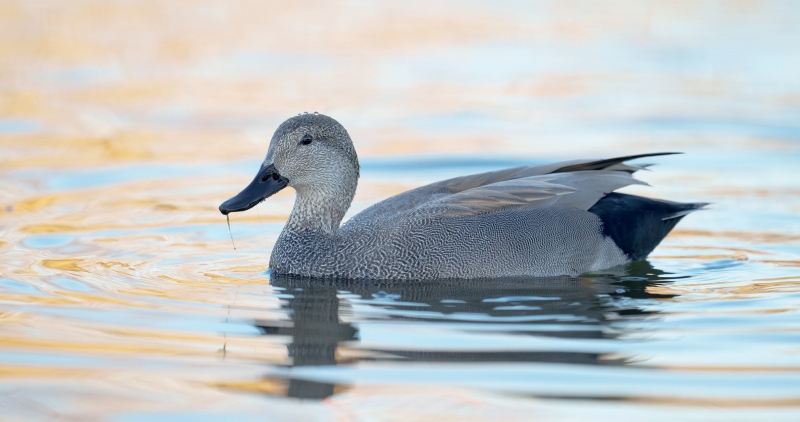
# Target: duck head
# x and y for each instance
(313, 154)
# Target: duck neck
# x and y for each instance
(318, 212)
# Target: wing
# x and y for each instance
(580, 189)
(578, 183)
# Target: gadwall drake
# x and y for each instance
(546, 220)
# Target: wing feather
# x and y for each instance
(577, 183)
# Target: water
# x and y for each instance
(122, 128)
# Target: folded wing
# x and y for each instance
(579, 184)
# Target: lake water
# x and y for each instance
(123, 126)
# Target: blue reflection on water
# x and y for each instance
(71, 285)
(11, 286)
(555, 380)
(751, 128)
(18, 126)
(209, 232)
(47, 241)
(54, 180)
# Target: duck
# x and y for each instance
(557, 219)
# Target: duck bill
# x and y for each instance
(266, 183)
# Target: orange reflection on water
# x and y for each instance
(123, 125)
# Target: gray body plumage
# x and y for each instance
(550, 241)
(531, 220)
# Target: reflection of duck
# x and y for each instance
(548, 220)
(560, 307)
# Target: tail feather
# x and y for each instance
(636, 224)
(698, 206)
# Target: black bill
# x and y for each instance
(266, 183)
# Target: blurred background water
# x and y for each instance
(124, 124)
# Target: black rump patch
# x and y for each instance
(636, 224)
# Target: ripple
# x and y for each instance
(122, 298)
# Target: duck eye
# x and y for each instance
(305, 140)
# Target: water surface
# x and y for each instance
(124, 125)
